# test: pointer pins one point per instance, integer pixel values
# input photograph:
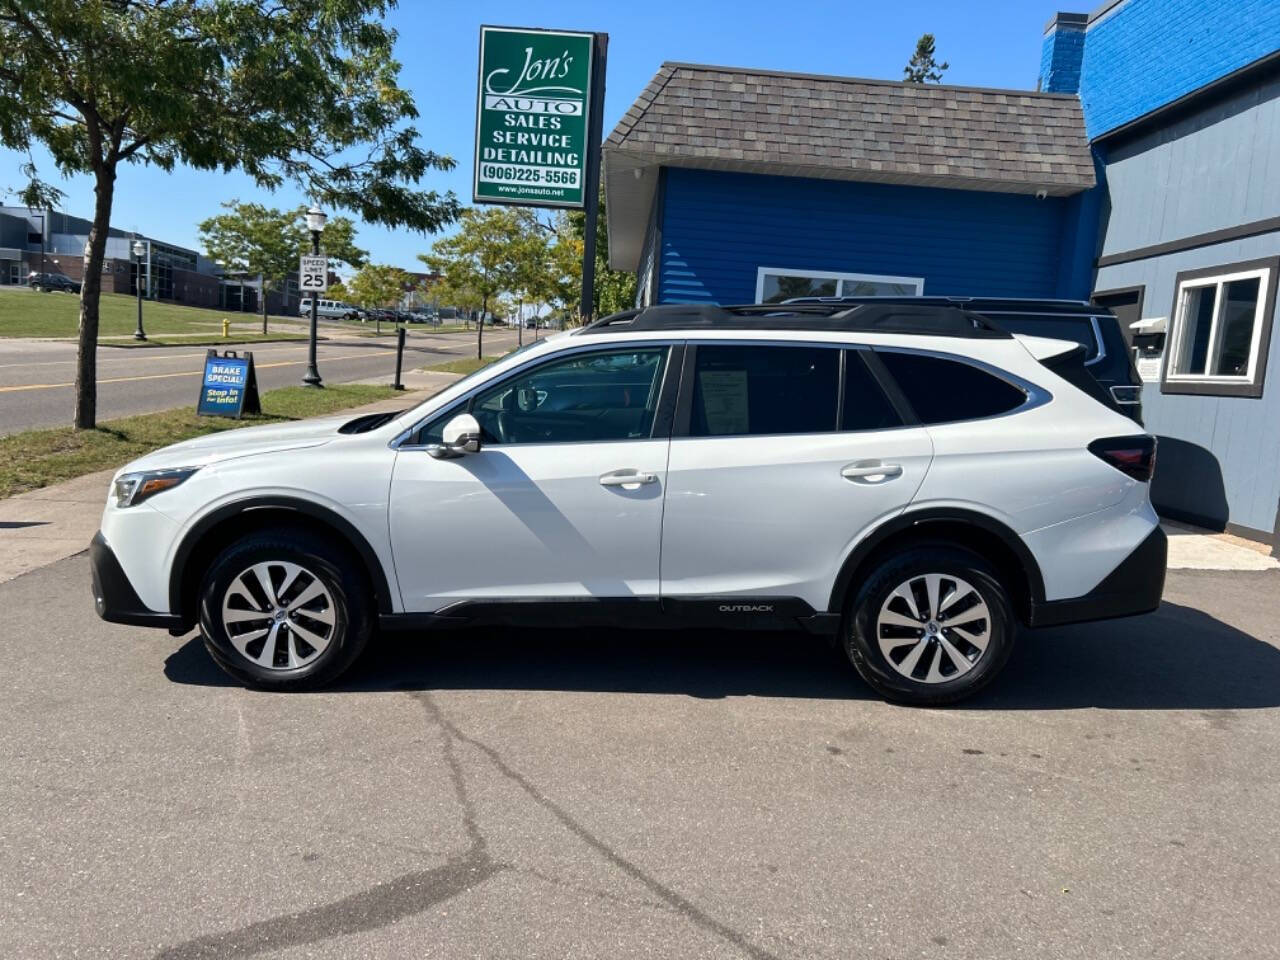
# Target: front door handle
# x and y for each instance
(628, 479)
(871, 471)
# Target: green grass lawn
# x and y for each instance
(25, 313)
(38, 458)
(465, 365)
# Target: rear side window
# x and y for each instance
(1072, 329)
(741, 390)
(946, 391)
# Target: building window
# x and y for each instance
(1221, 329)
(775, 284)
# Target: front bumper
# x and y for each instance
(114, 597)
(1132, 588)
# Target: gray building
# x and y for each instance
(1182, 104)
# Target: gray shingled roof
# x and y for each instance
(756, 121)
(855, 129)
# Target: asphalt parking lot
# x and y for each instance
(598, 794)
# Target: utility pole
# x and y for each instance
(594, 134)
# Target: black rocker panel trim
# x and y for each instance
(721, 613)
(372, 564)
(920, 521)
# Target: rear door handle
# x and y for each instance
(627, 478)
(871, 471)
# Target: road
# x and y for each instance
(592, 794)
(37, 377)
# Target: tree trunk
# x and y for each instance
(484, 308)
(262, 283)
(90, 294)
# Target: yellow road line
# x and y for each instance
(166, 376)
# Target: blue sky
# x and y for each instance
(993, 44)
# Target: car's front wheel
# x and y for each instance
(285, 610)
(931, 625)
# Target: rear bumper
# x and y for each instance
(114, 597)
(1132, 588)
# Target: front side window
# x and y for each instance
(947, 391)
(1219, 322)
(775, 285)
(609, 395)
(744, 390)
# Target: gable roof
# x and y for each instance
(846, 128)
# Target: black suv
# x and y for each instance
(1106, 354)
(52, 281)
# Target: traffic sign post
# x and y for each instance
(313, 274)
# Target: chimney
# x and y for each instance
(1062, 53)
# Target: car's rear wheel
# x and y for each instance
(284, 610)
(931, 625)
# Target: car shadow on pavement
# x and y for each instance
(1175, 659)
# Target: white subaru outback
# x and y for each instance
(910, 479)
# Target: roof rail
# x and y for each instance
(881, 314)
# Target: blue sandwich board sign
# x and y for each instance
(229, 387)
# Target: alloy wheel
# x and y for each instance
(933, 628)
(278, 615)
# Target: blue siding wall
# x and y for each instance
(1216, 169)
(1143, 54)
(1230, 446)
(719, 228)
(1061, 58)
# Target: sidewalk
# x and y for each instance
(47, 525)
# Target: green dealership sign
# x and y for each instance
(533, 117)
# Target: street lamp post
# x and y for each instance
(315, 223)
(138, 250)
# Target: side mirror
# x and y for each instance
(460, 435)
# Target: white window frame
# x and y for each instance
(762, 272)
(1177, 339)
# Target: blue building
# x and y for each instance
(1144, 171)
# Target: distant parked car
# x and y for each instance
(52, 281)
(330, 309)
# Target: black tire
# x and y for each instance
(346, 582)
(860, 626)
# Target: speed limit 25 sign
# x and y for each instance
(313, 274)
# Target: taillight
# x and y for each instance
(1133, 456)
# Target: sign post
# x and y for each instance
(229, 387)
(539, 119)
(313, 274)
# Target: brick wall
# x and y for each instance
(1143, 54)
(1062, 54)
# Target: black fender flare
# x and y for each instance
(313, 511)
(921, 520)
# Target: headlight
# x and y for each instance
(133, 488)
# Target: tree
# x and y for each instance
(478, 257)
(302, 92)
(562, 281)
(530, 263)
(250, 238)
(614, 289)
(922, 67)
(378, 285)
